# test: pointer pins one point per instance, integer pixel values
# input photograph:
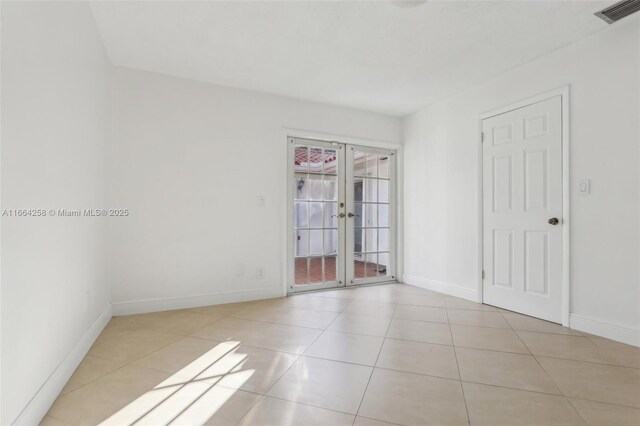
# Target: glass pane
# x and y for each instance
(372, 165)
(300, 187)
(383, 191)
(301, 243)
(330, 188)
(300, 215)
(331, 241)
(359, 266)
(359, 164)
(383, 215)
(315, 242)
(358, 241)
(315, 215)
(330, 162)
(330, 215)
(383, 264)
(315, 270)
(383, 167)
(383, 239)
(371, 190)
(315, 160)
(358, 219)
(372, 265)
(371, 240)
(330, 266)
(301, 159)
(315, 187)
(302, 269)
(371, 215)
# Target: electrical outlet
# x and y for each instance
(260, 273)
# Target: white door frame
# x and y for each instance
(563, 92)
(287, 214)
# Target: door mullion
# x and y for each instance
(349, 222)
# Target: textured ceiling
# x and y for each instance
(369, 55)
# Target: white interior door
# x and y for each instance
(522, 210)
(341, 215)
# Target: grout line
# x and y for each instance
(455, 354)
(375, 363)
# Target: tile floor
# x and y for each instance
(390, 354)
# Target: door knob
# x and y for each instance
(553, 221)
(352, 215)
(341, 215)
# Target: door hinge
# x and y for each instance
(482, 137)
(483, 274)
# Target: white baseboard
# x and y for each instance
(38, 406)
(442, 287)
(167, 304)
(618, 332)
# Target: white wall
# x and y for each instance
(189, 160)
(441, 172)
(55, 121)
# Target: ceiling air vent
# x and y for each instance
(618, 11)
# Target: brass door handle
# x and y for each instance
(352, 215)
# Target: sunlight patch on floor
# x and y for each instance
(193, 394)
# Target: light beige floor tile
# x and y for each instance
(363, 421)
(625, 355)
(601, 414)
(284, 338)
(268, 312)
(413, 399)
(217, 407)
(98, 400)
(384, 294)
(421, 313)
(218, 311)
(456, 303)
(127, 345)
(370, 308)
(90, 369)
(176, 356)
(52, 421)
(330, 304)
(491, 405)
(346, 347)
(272, 411)
(183, 322)
(418, 299)
(230, 328)
(525, 323)
(420, 331)
(495, 339)
(596, 382)
(510, 370)
(326, 384)
(477, 318)
(578, 348)
(418, 357)
(348, 293)
(306, 318)
(248, 368)
(361, 324)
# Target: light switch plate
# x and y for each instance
(584, 187)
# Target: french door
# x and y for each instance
(341, 215)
